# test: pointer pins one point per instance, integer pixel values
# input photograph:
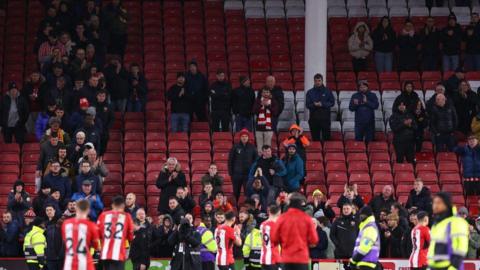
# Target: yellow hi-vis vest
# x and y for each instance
(34, 245)
(252, 248)
(449, 243)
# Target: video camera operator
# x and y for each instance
(186, 254)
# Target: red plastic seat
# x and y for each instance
(337, 178)
(403, 189)
(315, 177)
(404, 177)
(402, 167)
(446, 156)
(453, 188)
(134, 166)
(359, 178)
(426, 167)
(377, 147)
(449, 178)
(382, 177)
(334, 157)
(134, 147)
(134, 177)
(112, 189)
(318, 157)
(428, 177)
(135, 189)
(200, 157)
(355, 147)
(315, 166)
(333, 146)
(200, 146)
(448, 167)
(178, 146)
(380, 167)
(358, 167)
(379, 157)
(356, 157)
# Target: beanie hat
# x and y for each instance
(54, 120)
(244, 132)
(91, 111)
(84, 102)
(29, 214)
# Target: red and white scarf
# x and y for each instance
(265, 117)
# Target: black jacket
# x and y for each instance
(472, 43)
(196, 86)
(407, 46)
(241, 158)
(161, 247)
(106, 114)
(430, 41)
(62, 97)
(117, 82)
(466, 108)
(22, 107)
(343, 234)
(277, 94)
(451, 43)
(327, 210)
(243, 99)
(384, 39)
(169, 188)
(443, 119)
(423, 200)
(392, 246)
(179, 104)
(319, 251)
(141, 244)
(409, 99)
(378, 203)
(186, 254)
(401, 132)
(187, 204)
(221, 97)
(54, 249)
(357, 201)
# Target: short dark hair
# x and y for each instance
(62, 147)
(297, 200)
(422, 215)
(229, 215)
(273, 209)
(83, 205)
(173, 198)
(84, 161)
(118, 201)
(266, 147)
(54, 160)
(318, 76)
(205, 217)
(324, 221)
(219, 212)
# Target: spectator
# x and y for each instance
(55, 200)
(209, 244)
(115, 18)
(87, 193)
(350, 195)
(219, 218)
(40, 199)
(259, 187)
(221, 202)
(117, 80)
(466, 102)
(471, 37)
(213, 177)
(78, 92)
(9, 234)
(384, 39)
(170, 178)
(18, 201)
(240, 159)
(66, 169)
(299, 140)
(86, 173)
(181, 105)
(34, 91)
(344, 232)
(319, 101)
(57, 181)
(452, 84)
(70, 212)
(55, 123)
(320, 250)
(392, 237)
(247, 222)
(419, 198)
(175, 210)
(421, 119)
(208, 210)
(271, 168)
(77, 117)
(76, 149)
(473, 243)
(47, 48)
(439, 89)
(277, 94)
(92, 128)
(220, 103)
(14, 112)
(476, 125)
(96, 163)
(429, 42)
(61, 93)
(54, 250)
(470, 155)
(137, 90)
(79, 37)
(383, 200)
(402, 122)
(48, 151)
(364, 103)
(443, 122)
(185, 200)
(131, 206)
(265, 108)
(206, 195)
(196, 89)
(360, 44)
(160, 235)
(324, 224)
(79, 64)
(295, 169)
(142, 242)
(243, 99)
(321, 205)
(451, 39)
(407, 44)
(408, 97)
(105, 114)
(42, 119)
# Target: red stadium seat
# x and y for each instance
(355, 147)
(382, 177)
(337, 177)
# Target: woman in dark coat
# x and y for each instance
(170, 178)
(186, 254)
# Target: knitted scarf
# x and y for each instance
(265, 118)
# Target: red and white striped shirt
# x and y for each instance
(269, 252)
(79, 235)
(420, 242)
(116, 228)
(225, 236)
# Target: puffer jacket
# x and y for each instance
(443, 119)
(410, 100)
(402, 132)
(356, 50)
(295, 173)
(470, 160)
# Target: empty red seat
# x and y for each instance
(404, 177)
(446, 156)
(426, 167)
(336, 188)
(200, 146)
(134, 166)
(315, 177)
(380, 167)
(402, 167)
(453, 188)
(382, 177)
(379, 157)
(356, 157)
(112, 189)
(403, 189)
(428, 177)
(357, 167)
(359, 178)
(222, 145)
(201, 157)
(355, 147)
(134, 177)
(134, 146)
(333, 146)
(448, 167)
(377, 147)
(334, 157)
(337, 178)
(315, 166)
(449, 178)
(178, 146)
(318, 157)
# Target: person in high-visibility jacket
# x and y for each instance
(449, 236)
(208, 248)
(252, 249)
(367, 246)
(34, 245)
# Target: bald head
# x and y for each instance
(440, 100)
(270, 82)
(130, 200)
(387, 191)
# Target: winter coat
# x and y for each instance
(295, 173)
(61, 183)
(61, 96)
(407, 46)
(451, 85)
(466, 108)
(38, 204)
(384, 39)
(326, 210)
(141, 244)
(18, 208)
(241, 158)
(186, 255)
(401, 132)
(54, 249)
(360, 49)
(423, 200)
(262, 193)
(319, 251)
(267, 164)
(169, 188)
(343, 235)
(473, 245)
(96, 206)
(364, 111)
(187, 204)
(472, 43)
(117, 82)
(178, 104)
(443, 120)
(430, 41)
(47, 153)
(243, 99)
(357, 201)
(9, 243)
(105, 114)
(93, 134)
(470, 160)
(277, 95)
(451, 44)
(320, 94)
(115, 19)
(161, 247)
(221, 97)
(216, 181)
(378, 203)
(41, 125)
(22, 108)
(196, 87)
(391, 245)
(410, 100)
(34, 94)
(96, 183)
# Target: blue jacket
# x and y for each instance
(321, 94)
(263, 193)
(364, 111)
(9, 246)
(63, 184)
(280, 169)
(470, 160)
(41, 125)
(96, 184)
(96, 206)
(295, 173)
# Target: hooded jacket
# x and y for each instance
(410, 100)
(295, 172)
(401, 132)
(241, 158)
(360, 49)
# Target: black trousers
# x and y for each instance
(359, 64)
(239, 182)
(472, 188)
(33, 266)
(113, 265)
(295, 266)
(117, 44)
(54, 265)
(220, 118)
(270, 267)
(320, 129)
(10, 132)
(419, 268)
(228, 267)
(208, 266)
(199, 109)
(405, 151)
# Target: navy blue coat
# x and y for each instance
(470, 160)
(63, 184)
(364, 111)
(323, 95)
(96, 184)
(9, 244)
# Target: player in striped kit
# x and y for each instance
(269, 253)
(116, 228)
(420, 242)
(79, 235)
(226, 237)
